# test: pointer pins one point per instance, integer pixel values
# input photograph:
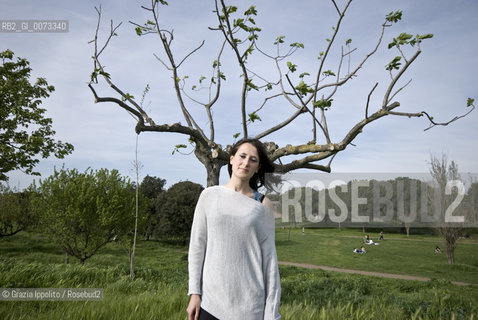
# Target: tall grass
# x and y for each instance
(159, 289)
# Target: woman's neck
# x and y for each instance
(239, 186)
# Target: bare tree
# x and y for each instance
(312, 99)
(448, 198)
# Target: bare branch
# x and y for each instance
(306, 163)
(305, 148)
(368, 99)
(336, 30)
(430, 118)
(139, 116)
(163, 63)
(229, 35)
(190, 53)
(281, 125)
(403, 87)
(354, 72)
(386, 98)
(311, 113)
(337, 8)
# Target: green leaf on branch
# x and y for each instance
(139, 30)
(470, 102)
(419, 38)
(292, 67)
(401, 40)
(239, 22)
(302, 75)
(104, 74)
(94, 76)
(230, 9)
(251, 85)
(349, 41)
(201, 79)
(235, 136)
(297, 45)
(251, 11)
(394, 17)
(323, 104)
(253, 117)
(127, 96)
(328, 73)
(222, 76)
(394, 64)
(279, 39)
(303, 88)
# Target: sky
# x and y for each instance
(443, 77)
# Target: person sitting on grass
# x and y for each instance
(437, 249)
(366, 238)
(372, 243)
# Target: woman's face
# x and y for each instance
(245, 162)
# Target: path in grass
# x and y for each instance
(366, 273)
(463, 240)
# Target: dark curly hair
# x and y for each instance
(265, 164)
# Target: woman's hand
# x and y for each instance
(194, 307)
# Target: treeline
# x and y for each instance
(83, 211)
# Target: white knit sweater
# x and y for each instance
(232, 256)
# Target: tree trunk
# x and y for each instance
(213, 172)
(67, 258)
(210, 161)
(450, 252)
(408, 230)
(131, 264)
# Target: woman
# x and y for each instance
(233, 271)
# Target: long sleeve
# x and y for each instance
(271, 274)
(197, 247)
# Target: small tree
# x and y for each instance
(444, 174)
(85, 211)
(15, 214)
(25, 132)
(150, 188)
(175, 209)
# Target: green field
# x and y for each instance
(159, 290)
(396, 254)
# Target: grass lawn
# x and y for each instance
(30, 260)
(396, 254)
